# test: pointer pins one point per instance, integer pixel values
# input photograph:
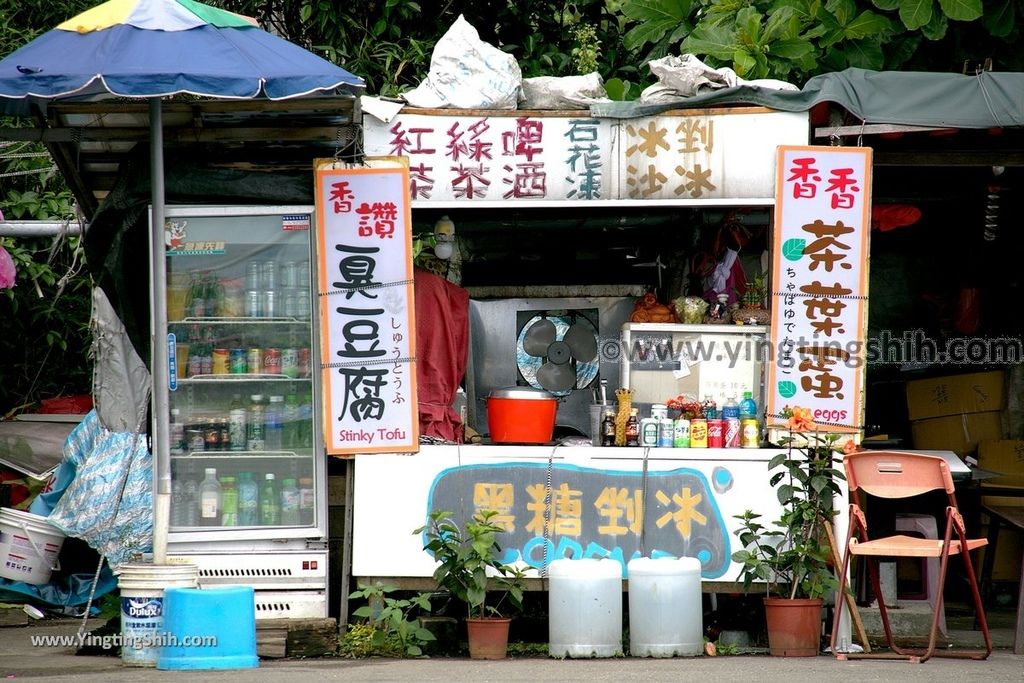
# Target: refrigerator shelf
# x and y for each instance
(189, 320)
(240, 377)
(231, 455)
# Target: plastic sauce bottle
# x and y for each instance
(632, 429)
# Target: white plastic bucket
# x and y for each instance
(585, 608)
(142, 607)
(665, 607)
(29, 546)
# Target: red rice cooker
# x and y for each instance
(521, 415)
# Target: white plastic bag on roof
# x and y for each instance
(565, 92)
(686, 76)
(467, 73)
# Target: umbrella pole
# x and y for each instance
(158, 343)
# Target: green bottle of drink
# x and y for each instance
(270, 502)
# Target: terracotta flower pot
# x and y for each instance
(794, 626)
(488, 637)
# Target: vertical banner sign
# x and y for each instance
(366, 308)
(820, 285)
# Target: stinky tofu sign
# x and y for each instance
(366, 309)
(820, 284)
(522, 156)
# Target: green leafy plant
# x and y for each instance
(466, 555)
(791, 558)
(394, 629)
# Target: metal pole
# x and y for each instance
(158, 340)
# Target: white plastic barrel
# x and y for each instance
(142, 607)
(29, 546)
(585, 608)
(665, 608)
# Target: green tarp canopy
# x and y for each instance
(943, 100)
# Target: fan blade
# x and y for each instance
(556, 377)
(539, 337)
(582, 343)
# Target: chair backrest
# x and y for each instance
(896, 474)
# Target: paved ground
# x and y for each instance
(19, 659)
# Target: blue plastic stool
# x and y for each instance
(209, 628)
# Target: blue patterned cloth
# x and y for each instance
(92, 506)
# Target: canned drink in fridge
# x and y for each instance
(681, 433)
(716, 433)
(254, 361)
(268, 275)
(195, 438)
(698, 433)
(732, 432)
(219, 363)
(268, 303)
(290, 274)
(304, 363)
(236, 362)
(252, 275)
(750, 436)
(290, 363)
(303, 305)
(291, 304)
(272, 361)
(253, 301)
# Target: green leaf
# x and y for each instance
(916, 13)
(787, 389)
(886, 4)
(793, 249)
(864, 54)
(961, 10)
(717, 41)
(936, 28)
(999, 19)
(656, 10)
(867, 24)
(748, 25)
(780, 25)
(794, 48)
(843, 10)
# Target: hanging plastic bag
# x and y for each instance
(467, 73)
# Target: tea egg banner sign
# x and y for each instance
(820, 285)
(366, 309)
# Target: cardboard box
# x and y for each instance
(1007, 458)
(958, 433)
(1008, 554)
(977, 392)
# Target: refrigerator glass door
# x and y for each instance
(241, 343)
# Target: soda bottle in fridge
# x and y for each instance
(256, 423)
(274, 416)
(209, 499)
(248, 500)
(290, 421)
(307, 500)
(289, 503)
(238, 434)
(270, 504)
(228, 502)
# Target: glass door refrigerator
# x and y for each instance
(248, 471)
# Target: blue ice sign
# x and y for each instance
(172, 362)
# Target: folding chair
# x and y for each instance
(894, 474)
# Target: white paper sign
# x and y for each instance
(366, 307)
(820, 284)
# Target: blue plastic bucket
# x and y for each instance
(210, 628)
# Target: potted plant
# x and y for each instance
(752, 309)
(791, 557)
(468, 564)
